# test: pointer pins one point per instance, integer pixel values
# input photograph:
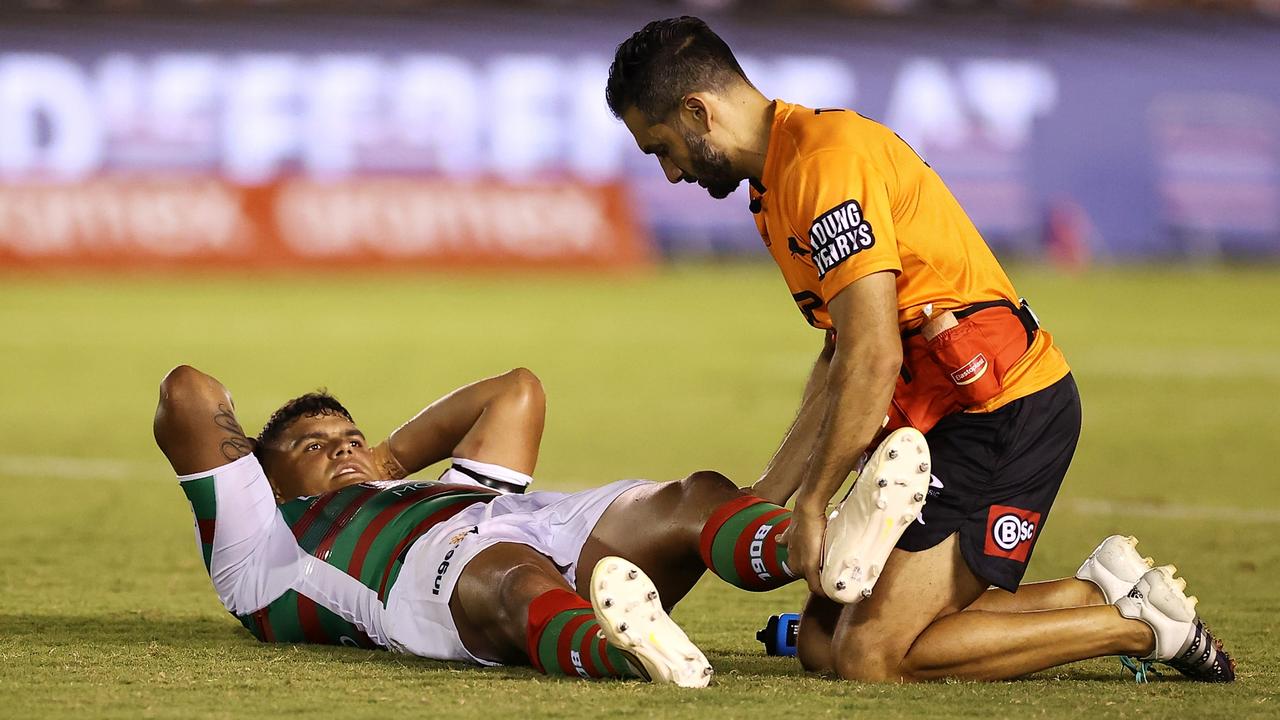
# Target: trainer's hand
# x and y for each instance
(804, 547)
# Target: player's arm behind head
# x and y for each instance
(195, 423)
(497, 420)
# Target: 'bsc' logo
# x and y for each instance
(1010, 532)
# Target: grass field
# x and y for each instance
(106, 611)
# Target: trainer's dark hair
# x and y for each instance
(666, 60)
(310, 405)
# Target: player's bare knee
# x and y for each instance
(695, 497)
(707, 486)
(526, 387)
(517, 586)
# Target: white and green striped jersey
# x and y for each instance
(313, 570)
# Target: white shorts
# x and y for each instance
(556, 525)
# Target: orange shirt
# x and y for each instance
(842, 197)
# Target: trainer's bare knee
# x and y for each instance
(869, 667)
(814, 655)
(815, 637)
(871, 653)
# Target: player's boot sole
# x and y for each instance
(1115, 566)
(630, 613)
(863, 529)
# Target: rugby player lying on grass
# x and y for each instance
(310, 534)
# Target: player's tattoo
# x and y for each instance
(388, 466)
(235, 445)
(392, 470)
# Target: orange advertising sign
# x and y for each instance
(203, 222)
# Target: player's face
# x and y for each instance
(319, 454)
(684, 154)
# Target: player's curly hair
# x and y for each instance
(311, 404)
(666, 60)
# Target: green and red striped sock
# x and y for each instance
(740, 544)
(565, 639)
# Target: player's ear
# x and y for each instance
(697, 112)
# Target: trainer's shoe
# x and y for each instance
(626, 604)
(1115, 566)
(863, 529)
(1182, 640)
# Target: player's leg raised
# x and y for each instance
(689, 526)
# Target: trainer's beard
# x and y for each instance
(711, 167)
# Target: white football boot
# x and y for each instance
(863, 529)
(1182, 640)
(626, 603)
(1115, 566)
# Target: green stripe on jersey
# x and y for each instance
(202, 495)
(282, 619)
(330, 509)
(395, 516)
(386, 557)
(407, 521)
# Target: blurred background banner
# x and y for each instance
(477, 134)
(381, 222)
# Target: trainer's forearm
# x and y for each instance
(859, 388)
(785, 471)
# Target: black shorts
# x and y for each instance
(995, 476)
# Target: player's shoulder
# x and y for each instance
(814, 132)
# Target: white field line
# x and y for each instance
(1196, 363)
(1169, 511)
(53, 467)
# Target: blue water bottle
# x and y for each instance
(779, 634)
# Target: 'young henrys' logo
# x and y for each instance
(838, 234)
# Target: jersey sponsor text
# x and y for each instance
(839, 234)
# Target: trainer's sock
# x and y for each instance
(565, 639)
(740, 543)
